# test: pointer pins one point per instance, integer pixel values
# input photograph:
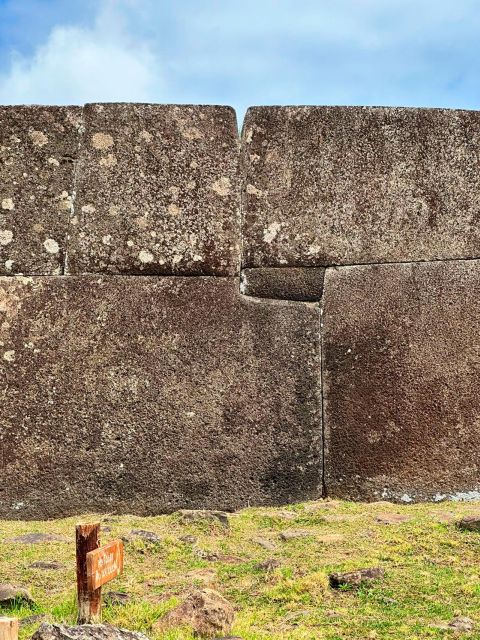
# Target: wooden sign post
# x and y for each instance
(95, 566)
(8, 628)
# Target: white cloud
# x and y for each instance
(80, 64)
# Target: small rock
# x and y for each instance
(38, 538)
(25, 622)
(10, 594)
(469, 523)
(117, 598)
(47, 566)
(188, 539)
(269, 565)
(203, 554)
(146, 536)
(461, 623)
(203, 515)
(292, 534)
(266, 544)
(355, 579)
(85, 632)
(206, 611)
(392, 518)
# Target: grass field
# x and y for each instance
(432, 570)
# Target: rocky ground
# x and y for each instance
(262, 573)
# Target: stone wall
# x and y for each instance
(192, 320)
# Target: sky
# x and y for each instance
(241, 52)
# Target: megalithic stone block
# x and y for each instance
(402, 381)
(352, 185)
(38, 151)
(143, 395)
(157, 191)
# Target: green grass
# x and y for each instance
(432, 571)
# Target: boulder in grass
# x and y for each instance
(148, 537)
(470, 523)
(52, 565)
(356, 579)
(85, 632)
(207, 612)
(188, 516)
(269, 565)
(10, 594)
(461, 623)
(266, 544)
(117, 598)
(34, 619)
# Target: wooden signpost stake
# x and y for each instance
(8, 628)
(95, 567)
(89, 602)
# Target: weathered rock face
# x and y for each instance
(152, 394)
(205, 611)
(85, 632)
(401, 380)
(157, 191)
(38, 151)
(340, 185)
(162, 392)
(291, 283)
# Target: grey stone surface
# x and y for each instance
(142, 395)
(10, 595)
(350, 185)
(38, 150)
(355, 579)
(470, 523)
(291, 283)
(157, 191)
(85, 632)
(401, 381)
(205, 611)
(188, 516)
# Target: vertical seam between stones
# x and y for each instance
(242, 179)
(76, 172)
(321, 305)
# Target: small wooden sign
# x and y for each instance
(104, 564)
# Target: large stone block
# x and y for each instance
(144, 395)
(402, 381)
(348, 185)
(157, 191)
(38, 150)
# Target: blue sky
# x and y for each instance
(241, 52)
